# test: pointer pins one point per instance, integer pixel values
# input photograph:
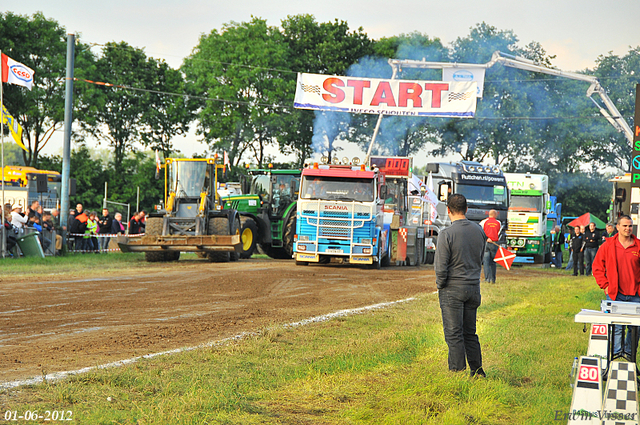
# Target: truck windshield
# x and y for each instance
(531, 204)
(186, 178)
(483, 196)
(334, 188)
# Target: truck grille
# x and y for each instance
(521, 229)
(352, 221)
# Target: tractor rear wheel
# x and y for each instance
(289, 234)
(218, 226)
(249, 236)
(154, 228)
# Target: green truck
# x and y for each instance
(267, 210)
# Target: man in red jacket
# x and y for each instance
(617, 271)
(491, 227)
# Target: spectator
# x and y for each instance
(617, 271)
(591, 244)
(557, 241)
(33, 210)
(577, 248)
(18, 218)
(610, 230)
(49, 226)
(90, 239)
(491, 227)
(117, 228)
(143, 221)
(458, 262)
(34, 221)
(78, 228)
(55, 219)
(134, 224)
(105, 222)
(10, 232)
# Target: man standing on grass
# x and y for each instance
(458, 263)
(491, 227)
(617, 271)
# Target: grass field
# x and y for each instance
(384, 367)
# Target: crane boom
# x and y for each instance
(611, 113)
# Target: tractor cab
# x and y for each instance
(276, 189)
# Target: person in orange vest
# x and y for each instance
(491, 227)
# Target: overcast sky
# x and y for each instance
(576, 31)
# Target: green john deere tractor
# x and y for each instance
(267, 212)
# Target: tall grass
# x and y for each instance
(384, 367)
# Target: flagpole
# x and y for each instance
(2, 242)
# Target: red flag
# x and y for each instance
(505, 258)
(16, 73)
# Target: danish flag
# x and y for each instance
(505, 258)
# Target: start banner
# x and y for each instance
(389, 97)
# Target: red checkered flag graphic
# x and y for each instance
(505, 258)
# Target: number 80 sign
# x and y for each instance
(588, 373)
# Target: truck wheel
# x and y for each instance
(430, 256)
(172, 256)
(154, 228)
(218, 226)
(289, 235)
(302, 263)
(249, 237)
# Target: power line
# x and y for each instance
(239, 102)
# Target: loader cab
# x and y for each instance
(189, 186)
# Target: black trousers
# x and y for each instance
(459, 305)
(578, 261)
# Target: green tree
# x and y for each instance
(137, 106)
(319, 48)
(40, 44)
(239, 70)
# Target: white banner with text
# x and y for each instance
(389, 97)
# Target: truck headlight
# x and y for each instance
(303, 238)
(367, 241)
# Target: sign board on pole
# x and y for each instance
(635, 151)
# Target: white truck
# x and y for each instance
(528, 232)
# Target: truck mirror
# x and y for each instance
(383, 192)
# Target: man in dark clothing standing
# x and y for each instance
(104, 225)
(134, 224)
(557, 242)
(458, 263)
(591, 244)
(577, 248)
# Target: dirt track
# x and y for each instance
(51, 326)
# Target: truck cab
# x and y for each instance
(340, 216)
(484, 186)
(529, 224)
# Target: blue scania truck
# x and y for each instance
(340, 216)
